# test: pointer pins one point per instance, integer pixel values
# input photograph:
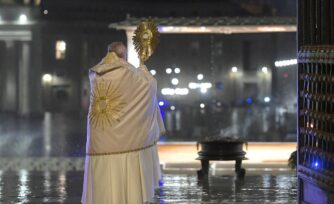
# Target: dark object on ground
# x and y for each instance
(224, 149)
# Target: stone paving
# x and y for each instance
(66, 186)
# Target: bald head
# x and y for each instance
(119, 48)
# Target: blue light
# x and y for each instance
(249, 100)
(161, 103)
(316, 164)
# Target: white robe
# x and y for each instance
(124, 124)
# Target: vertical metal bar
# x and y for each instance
(311, 19)
(302, 25)
(318, 27)
(325, 19)
(301, 40)
(331, 21)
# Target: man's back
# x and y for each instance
(124, 123)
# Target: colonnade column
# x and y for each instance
(9, 86)
(24, 76)
(132, 54)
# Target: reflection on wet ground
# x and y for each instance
(52, 135)
(66, 187)
(227, 189)
(59, 134)
(42, 143)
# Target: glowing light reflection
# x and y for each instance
(61, 186)
(23, 190)
(47, 185)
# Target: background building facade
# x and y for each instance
(58, 41)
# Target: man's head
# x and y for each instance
(119, 48)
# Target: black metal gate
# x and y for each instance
(316, 101)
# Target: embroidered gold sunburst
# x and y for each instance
(106, 105)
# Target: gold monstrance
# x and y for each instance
(146, 39)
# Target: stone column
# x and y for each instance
(24, 65)
(2, 73)
(9, 96)
(132, 54)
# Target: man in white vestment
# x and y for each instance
(123, 127)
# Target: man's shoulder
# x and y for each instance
(102, 68)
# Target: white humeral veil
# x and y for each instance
(124, 124)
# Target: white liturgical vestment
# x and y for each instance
(124, 123)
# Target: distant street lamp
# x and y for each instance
(200, 76)
(153, 72)
(234, 69)
(175, 81)
(266, 99)
(161, 103)
(169, 70)
(265, 70)
(23, 18)
(47, 78)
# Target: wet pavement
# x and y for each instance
(66, 186)
(38, 158)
